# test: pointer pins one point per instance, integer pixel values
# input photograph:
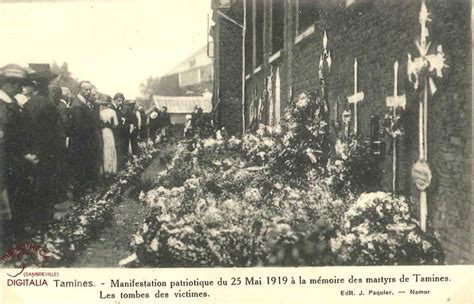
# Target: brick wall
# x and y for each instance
(229, 74)
(377, 33)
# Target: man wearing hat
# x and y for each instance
(14, 157)
(153, 121)
(45, 143)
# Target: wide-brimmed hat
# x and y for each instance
(40, 72)
(13, 71)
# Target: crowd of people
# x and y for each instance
(57, 146)
(197, 124)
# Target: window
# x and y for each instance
(248, 37)
(278, 11)
(306, 14)
(259, 32)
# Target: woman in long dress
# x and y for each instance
(109, 121)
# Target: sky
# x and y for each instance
(116, 44)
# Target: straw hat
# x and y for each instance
(13, 71)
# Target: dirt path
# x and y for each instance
(112, 244)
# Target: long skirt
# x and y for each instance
(109, 165)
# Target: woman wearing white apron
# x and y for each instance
(109, 121)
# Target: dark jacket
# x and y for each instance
(84, 130)
(44, 128)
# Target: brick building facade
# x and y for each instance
(283, 43)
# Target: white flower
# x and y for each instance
(79, 231)
(252, 195)
(379, 210)
(174, 243)
(350, 238)
(219, 135)
(413, 238)
(138, 239)
(145, 228)
(283, 228)
(303, 101)
(164, 218)
(268, 142)
(191, 183)
(83, 220)
(336, 244)
(341, 149)
(154, 244)
(311, 156)
(228, 204)
(426, 245)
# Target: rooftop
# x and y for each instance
(183, 104)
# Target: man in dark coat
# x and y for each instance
(55, 94)
(153, 122)
(165, 121)
(84, 135)
(94, 103)
(129, 122)
(46, 144)
(135, 125)
(14, 162)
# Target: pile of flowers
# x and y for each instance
(194, 225)
(66, 236)
(298, 143)
(354, 168)
(274, 198)
(231, 213)
(381, 230)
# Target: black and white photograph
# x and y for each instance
(235, 134)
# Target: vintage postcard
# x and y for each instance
(236, 151)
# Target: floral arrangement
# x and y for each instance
(304, 141)
(353, 169)
(259, 146)
(270, 199)
(392, 125)
(298, 144)
(381, 230)
(231, 213)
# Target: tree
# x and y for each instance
(149, 87)
(65, 78)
